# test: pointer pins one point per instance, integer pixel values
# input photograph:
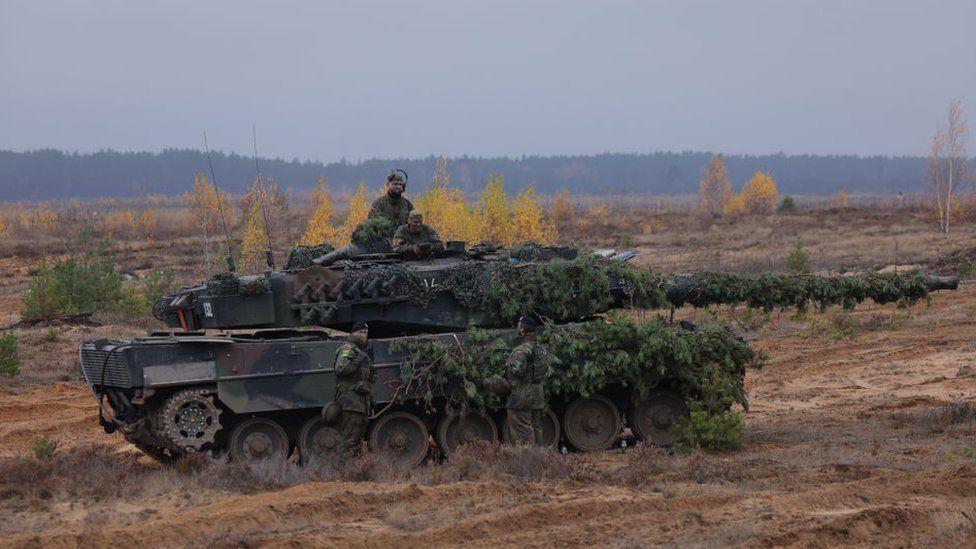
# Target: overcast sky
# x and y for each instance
(325, 80)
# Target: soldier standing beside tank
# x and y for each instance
(354, 376)
(526, 370)
(393, 205)
(417, 237)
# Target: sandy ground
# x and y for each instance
(847, 443)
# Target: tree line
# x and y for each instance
(52, 174)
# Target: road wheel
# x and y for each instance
(591, 423)
(654, 418)
(456, 429)
(318, 441)
(401, 436)
(258, 439)
(550, 429)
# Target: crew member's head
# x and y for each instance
(395, 184)
(527, 325)
(415, 220)
(359, 332)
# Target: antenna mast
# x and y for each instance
(220, 206)
(268, 253)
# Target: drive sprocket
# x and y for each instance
(190, 419)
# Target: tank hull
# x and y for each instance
(215, 384)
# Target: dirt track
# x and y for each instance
(846, 443)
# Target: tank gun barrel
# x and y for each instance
(935, 283)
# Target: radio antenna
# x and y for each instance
(269, 253)
(220, 206)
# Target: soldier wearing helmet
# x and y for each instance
(416, 237)
(354, 377)
(526, 370)
(393, 205)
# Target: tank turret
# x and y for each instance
(490, 287)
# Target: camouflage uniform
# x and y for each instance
(526, 370)
(404, 238)
(354, 375)
(395, 209)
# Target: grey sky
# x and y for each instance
(325, 80)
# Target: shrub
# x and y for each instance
(50, 334)
(787, 205)
(9, 354)
(132, 303)
(482, 460)
(798, 260)
(158, 283)
(711, 426)
(73, 285)
(965, 266)
(43, 448)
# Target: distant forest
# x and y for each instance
(52, 174)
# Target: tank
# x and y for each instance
(248, 363)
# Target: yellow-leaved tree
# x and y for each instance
(358, 209)
(715, 189)
(528, 222)
(320, 229)
(3, 228)
(255, 240)
(758, 196)
(494, 213)
(204, 210)
(444, 208)
(147, 222)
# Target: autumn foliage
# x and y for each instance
(758, 196)
(320, 229)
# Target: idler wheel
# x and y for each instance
(591, 423)
(550, 430)
(654, 418)
(401, 436)
(258, 439)
(318, 441)
(190, 419)
(456, 429)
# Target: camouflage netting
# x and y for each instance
(224, 283)
(300, 257)
(228, 283)
(587, 358)
(253, 285)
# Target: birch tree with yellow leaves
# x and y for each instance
(758, 196)
(320, 229)
(444, 208)
(204, 207)
(358, 210)
(528, 222)
(494, 213)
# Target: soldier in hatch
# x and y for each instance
(393, 205)
(354, 377)
(416, 237)
(525, 371)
